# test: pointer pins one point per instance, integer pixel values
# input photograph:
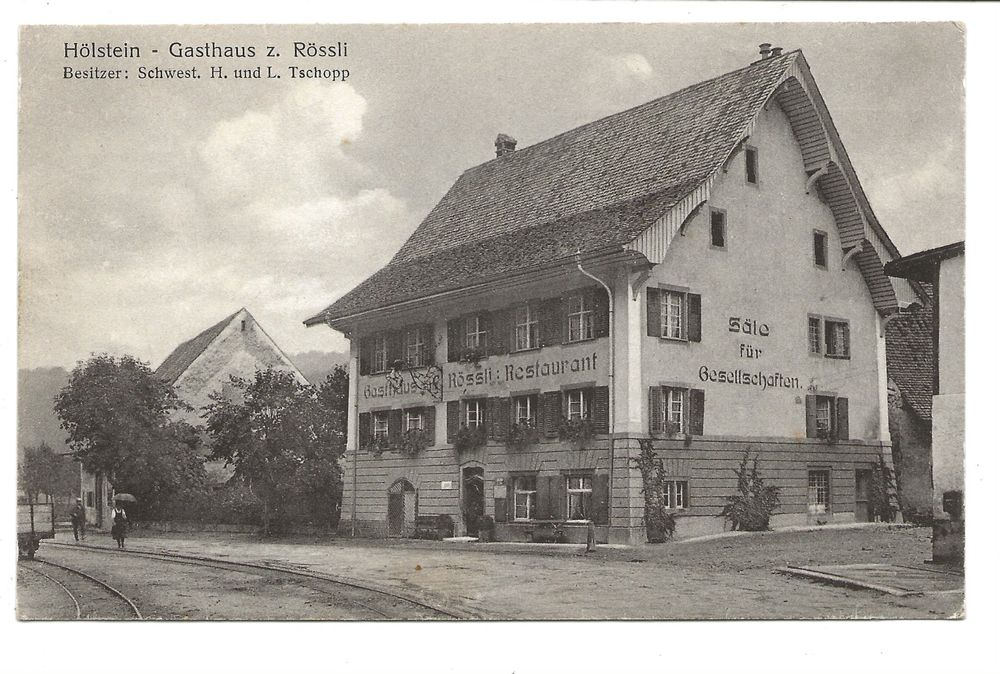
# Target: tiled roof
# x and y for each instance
(661, 149)
(181, 358)
(909, 346)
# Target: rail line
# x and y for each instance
(247, 567)
(75, 594)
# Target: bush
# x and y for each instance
(660, 524)
(751, 507)
(415, 441)
(883, 483)
(578, 431)
(469, 438)
(521, 436)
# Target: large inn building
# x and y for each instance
(703, 270)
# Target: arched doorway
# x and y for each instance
(402, 509)
(473, 498)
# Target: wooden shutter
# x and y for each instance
(550, 321)
(454, 340)
(847, 342)
(542, 498)
(565, 306)
(557, 499)
(429, 414)
(500, 504)
(694, 317)
(600, 304)
(365, 356)
(452, 413)
(653, 321)
(501, 332)
(427, 330)
(395, 425)
(600, 415)
(655, 410)
(843, 424)
(396, 347)
(599, 499)
(811, 416)
(500, 418)
(697, 413)
(364, 429)
(551, 412)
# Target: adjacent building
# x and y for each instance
(702, 271)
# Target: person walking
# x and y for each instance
(78, 516)
(119, 524)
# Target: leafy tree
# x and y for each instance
(117, 415)
(282, 438)
(36, 474)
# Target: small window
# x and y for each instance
(380, 353)
(415, 347)
(526, 335)
(815, 335)
(838, 339)
(750, 157)
(819, 249)
(578, 404)
(718, 223)
(524, 497)
(474, 413)
(415, 420)
(474, 337)
(579, 492)
(675, 494)
(819, 492)
(380, 425)
(580, 318)
(525, 408)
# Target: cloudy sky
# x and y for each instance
(150, 209)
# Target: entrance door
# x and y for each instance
(862, 495)
(473, 499)
(402, 509)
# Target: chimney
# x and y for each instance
(775, 51)
(505, 144)
(765, 50)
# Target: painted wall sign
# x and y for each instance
(505, 373)
(387, 390)
(748, 326)
(447, 484)
(743, 378)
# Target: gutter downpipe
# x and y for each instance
(354, 471)
(611, 380)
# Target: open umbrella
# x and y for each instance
(125, 497)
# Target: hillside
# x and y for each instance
(36, 421)
(316, 365)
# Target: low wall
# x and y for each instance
(199, 527)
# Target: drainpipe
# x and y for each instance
(611, 378)
(357, 446)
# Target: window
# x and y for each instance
(524, 497)
(819, 249)
(578, 404)
(579, 490)
(474, 334)
(525, 408)
(824, 416)
(675, 494)
(673, 315)
(819, 492)
(474, 413)
(815, 335)
(750, 158)
(526, 334)
(380, 353)
(828, 417)
(837, 339)
(90, 499)
(581, 319)
(380, 425)
(718, 227)
(676, 409)
(415, 355)
(414, 420)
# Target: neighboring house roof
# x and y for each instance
(180, 359)
(921, 266)
(909, 346)
(600, 186)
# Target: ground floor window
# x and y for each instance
(675, 494)
(819, 492)
(579, 492)
(524, 497)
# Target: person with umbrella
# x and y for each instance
(119, 520)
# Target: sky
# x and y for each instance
(150, 209)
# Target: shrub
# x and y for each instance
(883, 484)
(660, 524)
(414, 441)
(486, 528)
(751, 507)
(578, 431)
(521, 436)
(469, 438)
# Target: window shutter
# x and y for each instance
(429, 414)
(502, 332)
(653, 299)
(429, 345)
(697, 414)
(510, 497)
(810, 416)
(395, 425)
(550, 321)
(486, 416)
(601, 409)
(500, 504)
(564, 309)
(557, 501)
(365, 356)
(843, 424)
(364, 429)
(542, 497)
(600, 304)
(454, 340)
(452, 413)
(551, 412)
(847, 341)
(501, 418)
(600, 500)
(396, 347)
(655, 410)
(694, 317)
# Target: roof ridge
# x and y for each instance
(179, 360)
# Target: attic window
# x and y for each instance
(718, 228)
(243, 326)
(750, 157)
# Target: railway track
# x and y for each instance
(377, 602)
(93, 598)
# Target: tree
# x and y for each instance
(282, 438)
(37, 473)
(117, 415)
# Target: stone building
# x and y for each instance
(703, 271)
